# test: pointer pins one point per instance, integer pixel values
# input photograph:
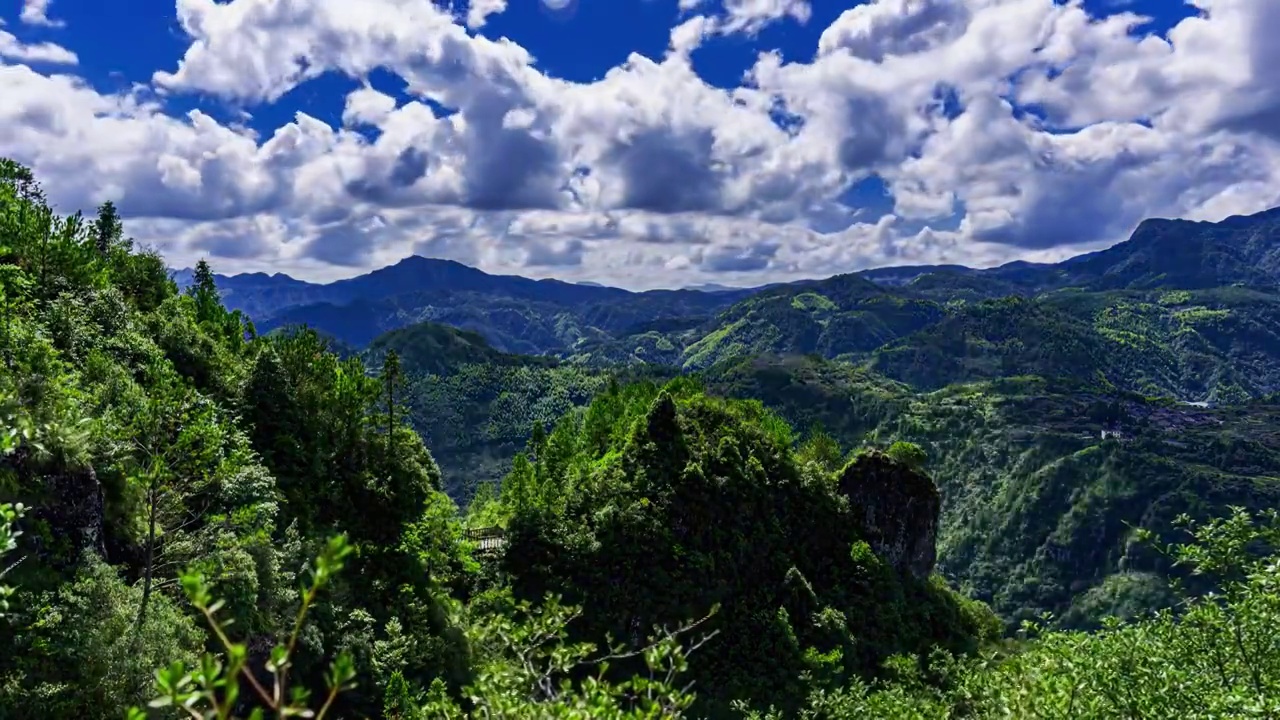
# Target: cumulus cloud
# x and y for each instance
(688, 35)
(36, 12)
(367, 106)
(12, 49)
(750, 16)
(1002, 129)
(478, 11)
(895, 27)
(747, 17)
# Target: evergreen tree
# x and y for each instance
(271, 409)
(205, 291)
(390, 379)
(107, 229)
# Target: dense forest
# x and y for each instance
(838, 500)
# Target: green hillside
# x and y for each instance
(637, 507)
(1218, 346)
(430, 348)
(200, 521)
(1039, 508)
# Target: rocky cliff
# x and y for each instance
(898, 510)
(67, 508)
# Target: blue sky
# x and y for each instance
(642, 142)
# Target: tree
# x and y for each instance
(212, 688)
(820, 448)
(178, 441)
(390, 379)
(107, 228)
(148, 574)
(205, 291)
(22, 179)
(271, 409)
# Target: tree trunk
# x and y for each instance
(151, 556)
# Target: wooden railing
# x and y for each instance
(488, 539)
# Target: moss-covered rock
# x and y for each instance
(897, 510)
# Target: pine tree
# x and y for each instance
(391, 378)
(205, 291)
(107, 229)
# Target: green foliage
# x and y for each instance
(639, 507)
(9, 516)
(908, 453)
(211, 689)
(812, 301)
(821, 449)
(1175, 297)
(150, 431)
(80, 653)
(1216, 658)
(477, 416)
(838, 316)
(432, 349)
(529, 667)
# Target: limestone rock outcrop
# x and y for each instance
(898, 510)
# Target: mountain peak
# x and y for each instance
(1234, 221)
(423, 261)
(1266, 216)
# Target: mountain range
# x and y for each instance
(1160, 252)
(1183, 309)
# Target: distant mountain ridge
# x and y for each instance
(1183, 254)
(1241, 248)
(847, 313)
(1187, 310)
(265, 296)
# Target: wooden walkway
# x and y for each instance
(487, 540)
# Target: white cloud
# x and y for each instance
(478, 11)
(895, 27)
(368, 106)
(751, 16)
(747, 17)
(258, 49)
(688, 35)
(13, 49)
(650, 166)
(36, 12)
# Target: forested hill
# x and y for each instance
(1043, 480)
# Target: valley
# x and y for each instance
(1061, 407)
(432, 492)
